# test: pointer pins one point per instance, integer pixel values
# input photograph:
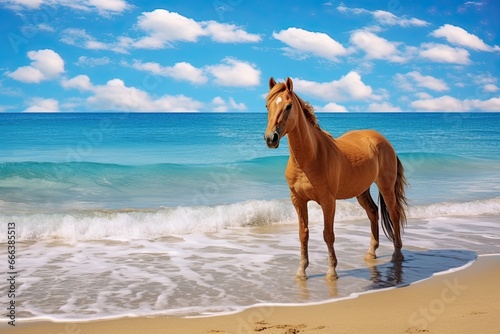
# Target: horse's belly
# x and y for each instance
(356, 182)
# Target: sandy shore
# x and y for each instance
(467, 301)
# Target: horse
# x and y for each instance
(325, 169)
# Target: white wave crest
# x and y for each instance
(164, 222)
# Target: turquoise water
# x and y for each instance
(189, 214)
(115, 161)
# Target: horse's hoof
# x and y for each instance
(397, 257)
(370, 256)
(301, 276)
(331, 275)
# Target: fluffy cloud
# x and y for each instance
(80, 82)
(307, 42)
(490, 88)
(229, 33)
(85, 61)
(458, 36)
(384, 17)
(414, 79)
(42, 105)
(82, 39)
(332, 107)
(219, 104)
(180, 71)
(115, 95)
(349, 87)
(102, 7)
(376, 47)
(442, 53)
(164, 28)
(235, 73)
(390, 19)
(383, 106)
(230, 72)
(46, 65)
(449, 103)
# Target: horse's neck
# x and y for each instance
(304, 142)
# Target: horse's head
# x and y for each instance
(279, 103)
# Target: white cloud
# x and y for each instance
(376, 47)
(449, 103)
(459, 36)
(443, 103)
(414, 79)
(332, 107)
(349, 87)
(390, 19)
(180, 71)
(42, 105)
(46, 65)
(483, 79)
(235, 73)
(423, 95)
(102, 7)
(80, 38)
(492, 104)
(383, 106)
(230, 72)
(442, 53)
(115, 95)
(80, 82)
(219, 104)
(384, 17)
(490, 88)
(315, 43)
(114, 6)
(164, 28)
(85, 61)
(229, 33)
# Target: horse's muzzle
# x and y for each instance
(272, 140)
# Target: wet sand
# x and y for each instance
(465, 301)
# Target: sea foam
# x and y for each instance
(151, 224)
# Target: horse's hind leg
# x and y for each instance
(389, 198)
(366, 201)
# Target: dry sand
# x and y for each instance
(467, 301)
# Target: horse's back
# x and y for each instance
(365, 142)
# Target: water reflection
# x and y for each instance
(416, 267)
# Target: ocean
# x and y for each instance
(188, 214)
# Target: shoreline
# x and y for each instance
(460, 301)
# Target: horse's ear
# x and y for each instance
(272, 83)
(289, 84)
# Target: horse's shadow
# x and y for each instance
(416, 267)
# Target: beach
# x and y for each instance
(463, 301)
(128, 227)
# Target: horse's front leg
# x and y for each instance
(301, 208)
(329, 237)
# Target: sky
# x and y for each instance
(204, 55)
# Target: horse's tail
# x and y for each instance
(399, 192)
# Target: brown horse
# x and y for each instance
(324, 169)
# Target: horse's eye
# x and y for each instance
(288, 107)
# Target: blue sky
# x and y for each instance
(123, 55)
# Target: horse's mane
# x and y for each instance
(307, 109)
